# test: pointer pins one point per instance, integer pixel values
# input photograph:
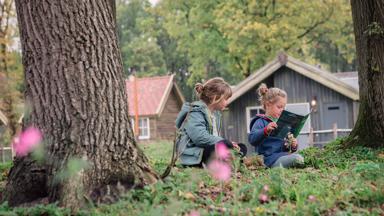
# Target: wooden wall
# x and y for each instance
(302, 89)
(165, 124)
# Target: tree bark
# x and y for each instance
(368, 19)
(75, 87)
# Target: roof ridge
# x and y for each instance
(151, 77)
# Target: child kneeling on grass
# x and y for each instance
(203, 121)
(275, 150)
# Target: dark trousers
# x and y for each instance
(210, 150)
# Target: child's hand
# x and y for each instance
(294, 143)
(236, 146)
(271, 126)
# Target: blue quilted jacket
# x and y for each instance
(270, 147)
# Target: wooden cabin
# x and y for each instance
(332, 97)
(156, 101)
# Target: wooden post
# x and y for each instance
(2, 131)
(136, 105)
(311, 137)
(334, 130)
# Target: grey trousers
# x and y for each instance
(288, 161)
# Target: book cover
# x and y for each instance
(289, 122)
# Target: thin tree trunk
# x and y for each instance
(75, 87)
(368, 19)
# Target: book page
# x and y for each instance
(289, 122)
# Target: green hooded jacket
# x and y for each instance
(198, 130)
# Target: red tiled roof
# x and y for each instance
(151, 91)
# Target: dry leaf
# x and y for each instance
(187, 195)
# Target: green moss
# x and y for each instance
(374, 29)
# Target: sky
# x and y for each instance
(153, 2)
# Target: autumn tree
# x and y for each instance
(10, 68)
(146, 46)
(368, 20)
(75, 87)
(234, 38)
(140, 49)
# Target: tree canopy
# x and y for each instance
(200, 39)
(11, 83)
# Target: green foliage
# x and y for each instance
(160, 152)
(344, 181)
(334, 154)
(197, 40)
(138, 42)
(368, 170)
(51, 209)
(374, 28)
(335, 181)
(4, 169)
(234, 38)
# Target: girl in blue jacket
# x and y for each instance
(203, 123)
(275, 150)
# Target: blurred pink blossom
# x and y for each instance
(222, 151)
(193, 213)
(219, 170)
(311, 198)
(265, 188)
(27, 141)
(263, 198)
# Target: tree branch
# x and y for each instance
(316, 24)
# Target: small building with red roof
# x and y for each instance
(156, 101)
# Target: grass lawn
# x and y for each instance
(333, 182)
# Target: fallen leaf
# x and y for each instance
(187, 195)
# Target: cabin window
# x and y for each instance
(333, 108)
(252, 112)
(143, 128)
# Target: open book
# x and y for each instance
(289, 122)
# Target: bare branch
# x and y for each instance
(309, 29)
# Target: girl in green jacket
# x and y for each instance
(202, 125)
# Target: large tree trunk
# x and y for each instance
(75, 87)
(368, 19)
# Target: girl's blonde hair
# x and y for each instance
(269, 94)
(213, 91)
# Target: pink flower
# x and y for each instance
(263, 198)
(222, 151)
(265, 188)
(219, 170)
(311, 198)
(27, 141)
(193, 213)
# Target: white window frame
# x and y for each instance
(248, 112)
(147, 126)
